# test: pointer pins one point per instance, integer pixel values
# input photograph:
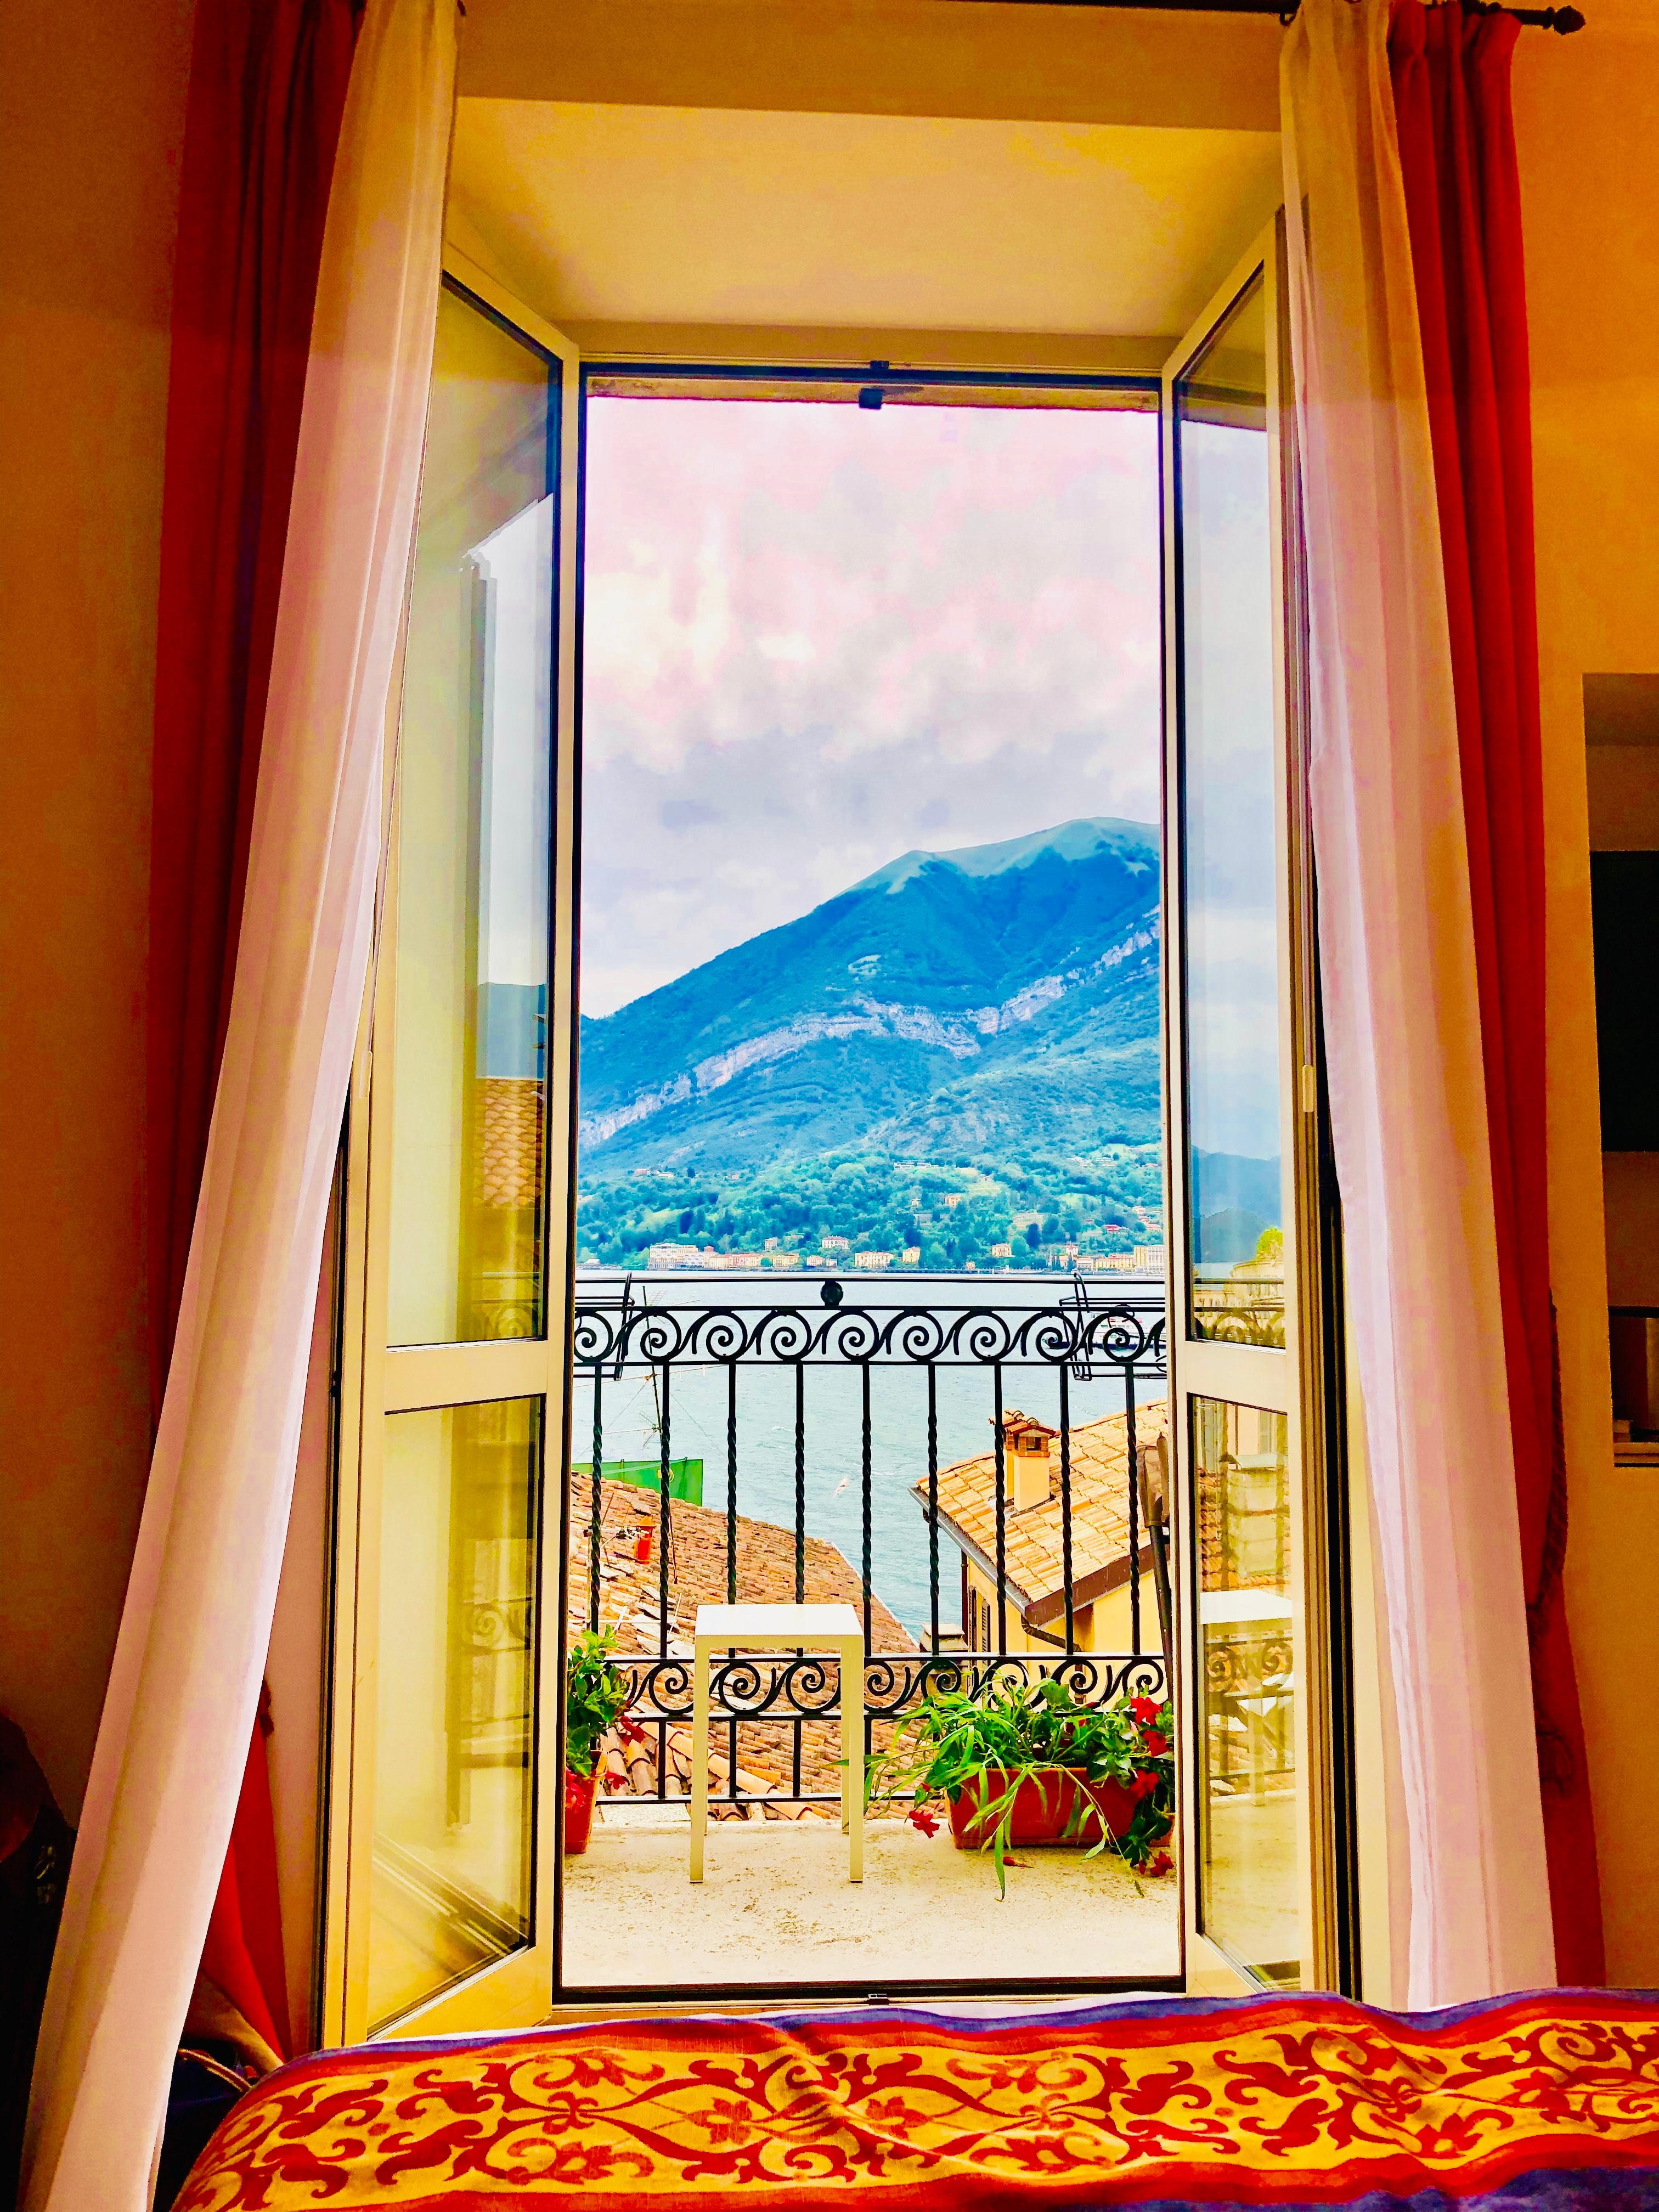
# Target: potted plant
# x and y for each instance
(1023, 1764)
(596, 1696)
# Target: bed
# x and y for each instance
(1548, 2100)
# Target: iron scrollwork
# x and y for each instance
(807, 1687)
(1126, 1335)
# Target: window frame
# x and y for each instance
(378, 1379)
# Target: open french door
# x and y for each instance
(1255, 1397)
(444, 1765)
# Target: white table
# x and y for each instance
(834, 1628)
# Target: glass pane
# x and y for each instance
(1251, 1890)
(453, 1762)
(1235, 1203)
(470, 1071)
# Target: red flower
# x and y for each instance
(1161, 1863)
(922, 1819)
(1143, 1782)
(1156, 1744)
(1144, 1709)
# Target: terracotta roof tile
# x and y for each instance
(1033, 1542)
(509, 1139)
(629, 1588)
(630, 1596)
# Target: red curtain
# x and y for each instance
(243, 1952)
(267, 92)
(1451, 86)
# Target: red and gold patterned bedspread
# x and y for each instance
(1278, 2101)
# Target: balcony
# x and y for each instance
(979, 1472)
(775, 1909)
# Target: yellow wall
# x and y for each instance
(1587, 122)
(90, 136)
(1106, 1625)
(1062, 65)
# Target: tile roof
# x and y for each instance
(629, 1602)
(1033, 1539)
(508, 1140)
(629, 1588)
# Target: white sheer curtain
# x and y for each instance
(1402, 1032)
(174, 1731)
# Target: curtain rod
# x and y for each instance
(1563, 20)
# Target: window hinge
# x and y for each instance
(1309, 1087)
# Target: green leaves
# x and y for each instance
(1010, 1733)
(595, 1697)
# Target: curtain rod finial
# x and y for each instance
(1564, 20)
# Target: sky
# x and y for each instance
(816, 636)
(1232, 1040)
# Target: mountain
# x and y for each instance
(1003, 996)
(1234, 1197)
(1233, 1182)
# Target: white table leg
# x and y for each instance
(699, 1755)
(852, 1675)
(846, 1749)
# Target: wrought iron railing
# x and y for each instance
(1227, 1311)
(1076, 1335)
(1249, 1701)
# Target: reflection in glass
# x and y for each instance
(1235, 1201)
(470, 1109)
(453, 1764)
(1246, 1687)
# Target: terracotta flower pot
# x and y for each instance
(1043, 1809)
(579, 1790)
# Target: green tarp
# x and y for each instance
(684, 1475)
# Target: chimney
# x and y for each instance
(1025, 1457)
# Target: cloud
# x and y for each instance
(815, 636)
(687, 814)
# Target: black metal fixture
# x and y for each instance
(1564, 20)
(891, 387)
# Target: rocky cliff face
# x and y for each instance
(1003, 995)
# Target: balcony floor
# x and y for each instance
(775, 1906)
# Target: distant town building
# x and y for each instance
(771, 1244)
(836, 1244)
(910, 1256)
(955, 1198)
(728, 1262)
(1149, 1258)
(674, 1255)
(1002, 1251)
(776, 1259)
(872, 1258)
